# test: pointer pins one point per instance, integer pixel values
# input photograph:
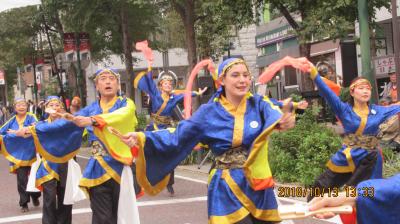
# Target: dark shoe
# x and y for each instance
(36, 202)
(24, 209)
(170, 190)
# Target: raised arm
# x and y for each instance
(144, 82)
(333, 100)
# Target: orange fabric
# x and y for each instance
(261, 184)
(393, 94)
(332, 85)
(100, 122)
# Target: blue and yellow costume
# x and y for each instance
(21, 154)
(162, 105)
(378, 201)
(236, 188)
(360, 146)
(51, 178)
(109, 154)
(19, 151)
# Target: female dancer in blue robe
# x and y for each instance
(235, 125)
(359, 158)
(20, 152)
(52, 177)
(163, 101)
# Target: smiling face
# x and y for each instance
(236, 81)
(107, 84)
(21, 108)
(361, 93)
(166, 86)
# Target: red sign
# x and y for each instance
(2, 81)
(84, 42)
(69, 42)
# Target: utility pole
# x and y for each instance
(396, 43)
(56, 70)
(365, 47)
(79, 73)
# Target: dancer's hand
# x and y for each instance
(130, 139)
(326, 201)
(201, 91)
(302, 105)
(288, 121)
(82, 121)
(23, 132)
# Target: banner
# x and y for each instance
(84, 42)
(69, 42)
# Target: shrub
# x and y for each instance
(391, 165)
(300, 154)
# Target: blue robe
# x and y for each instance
(347, 159)
(19, 151)
(65, 140)
(381, 204)
(234, 193)
(47, 170)
(161, 104)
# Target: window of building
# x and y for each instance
(290, 76)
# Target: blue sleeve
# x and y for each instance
(381, 204)
(389, 111)
(58, 141)
(333, 100)
(163, 150)
(145, 83)
(84, 111)
(270, 111)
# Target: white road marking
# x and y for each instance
(88, 210)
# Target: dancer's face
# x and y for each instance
(393, 78)
(107, 84)
(55, 105)
(166, 86)
(21, 108)
(361, 93)
(237, 81)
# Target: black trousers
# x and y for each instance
(171, 178)
(22, 182)
(330, 179)
(104, 202)
(54, 210)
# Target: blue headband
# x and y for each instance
(19, 99)
(103, 70)
(52, 98)
(227, 64)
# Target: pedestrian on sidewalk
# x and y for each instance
(235, 124)
(359, 158)
(20, 152)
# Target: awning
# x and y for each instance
(324, 47)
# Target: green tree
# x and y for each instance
(18, 35)
(112, 25)
(314, 20)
